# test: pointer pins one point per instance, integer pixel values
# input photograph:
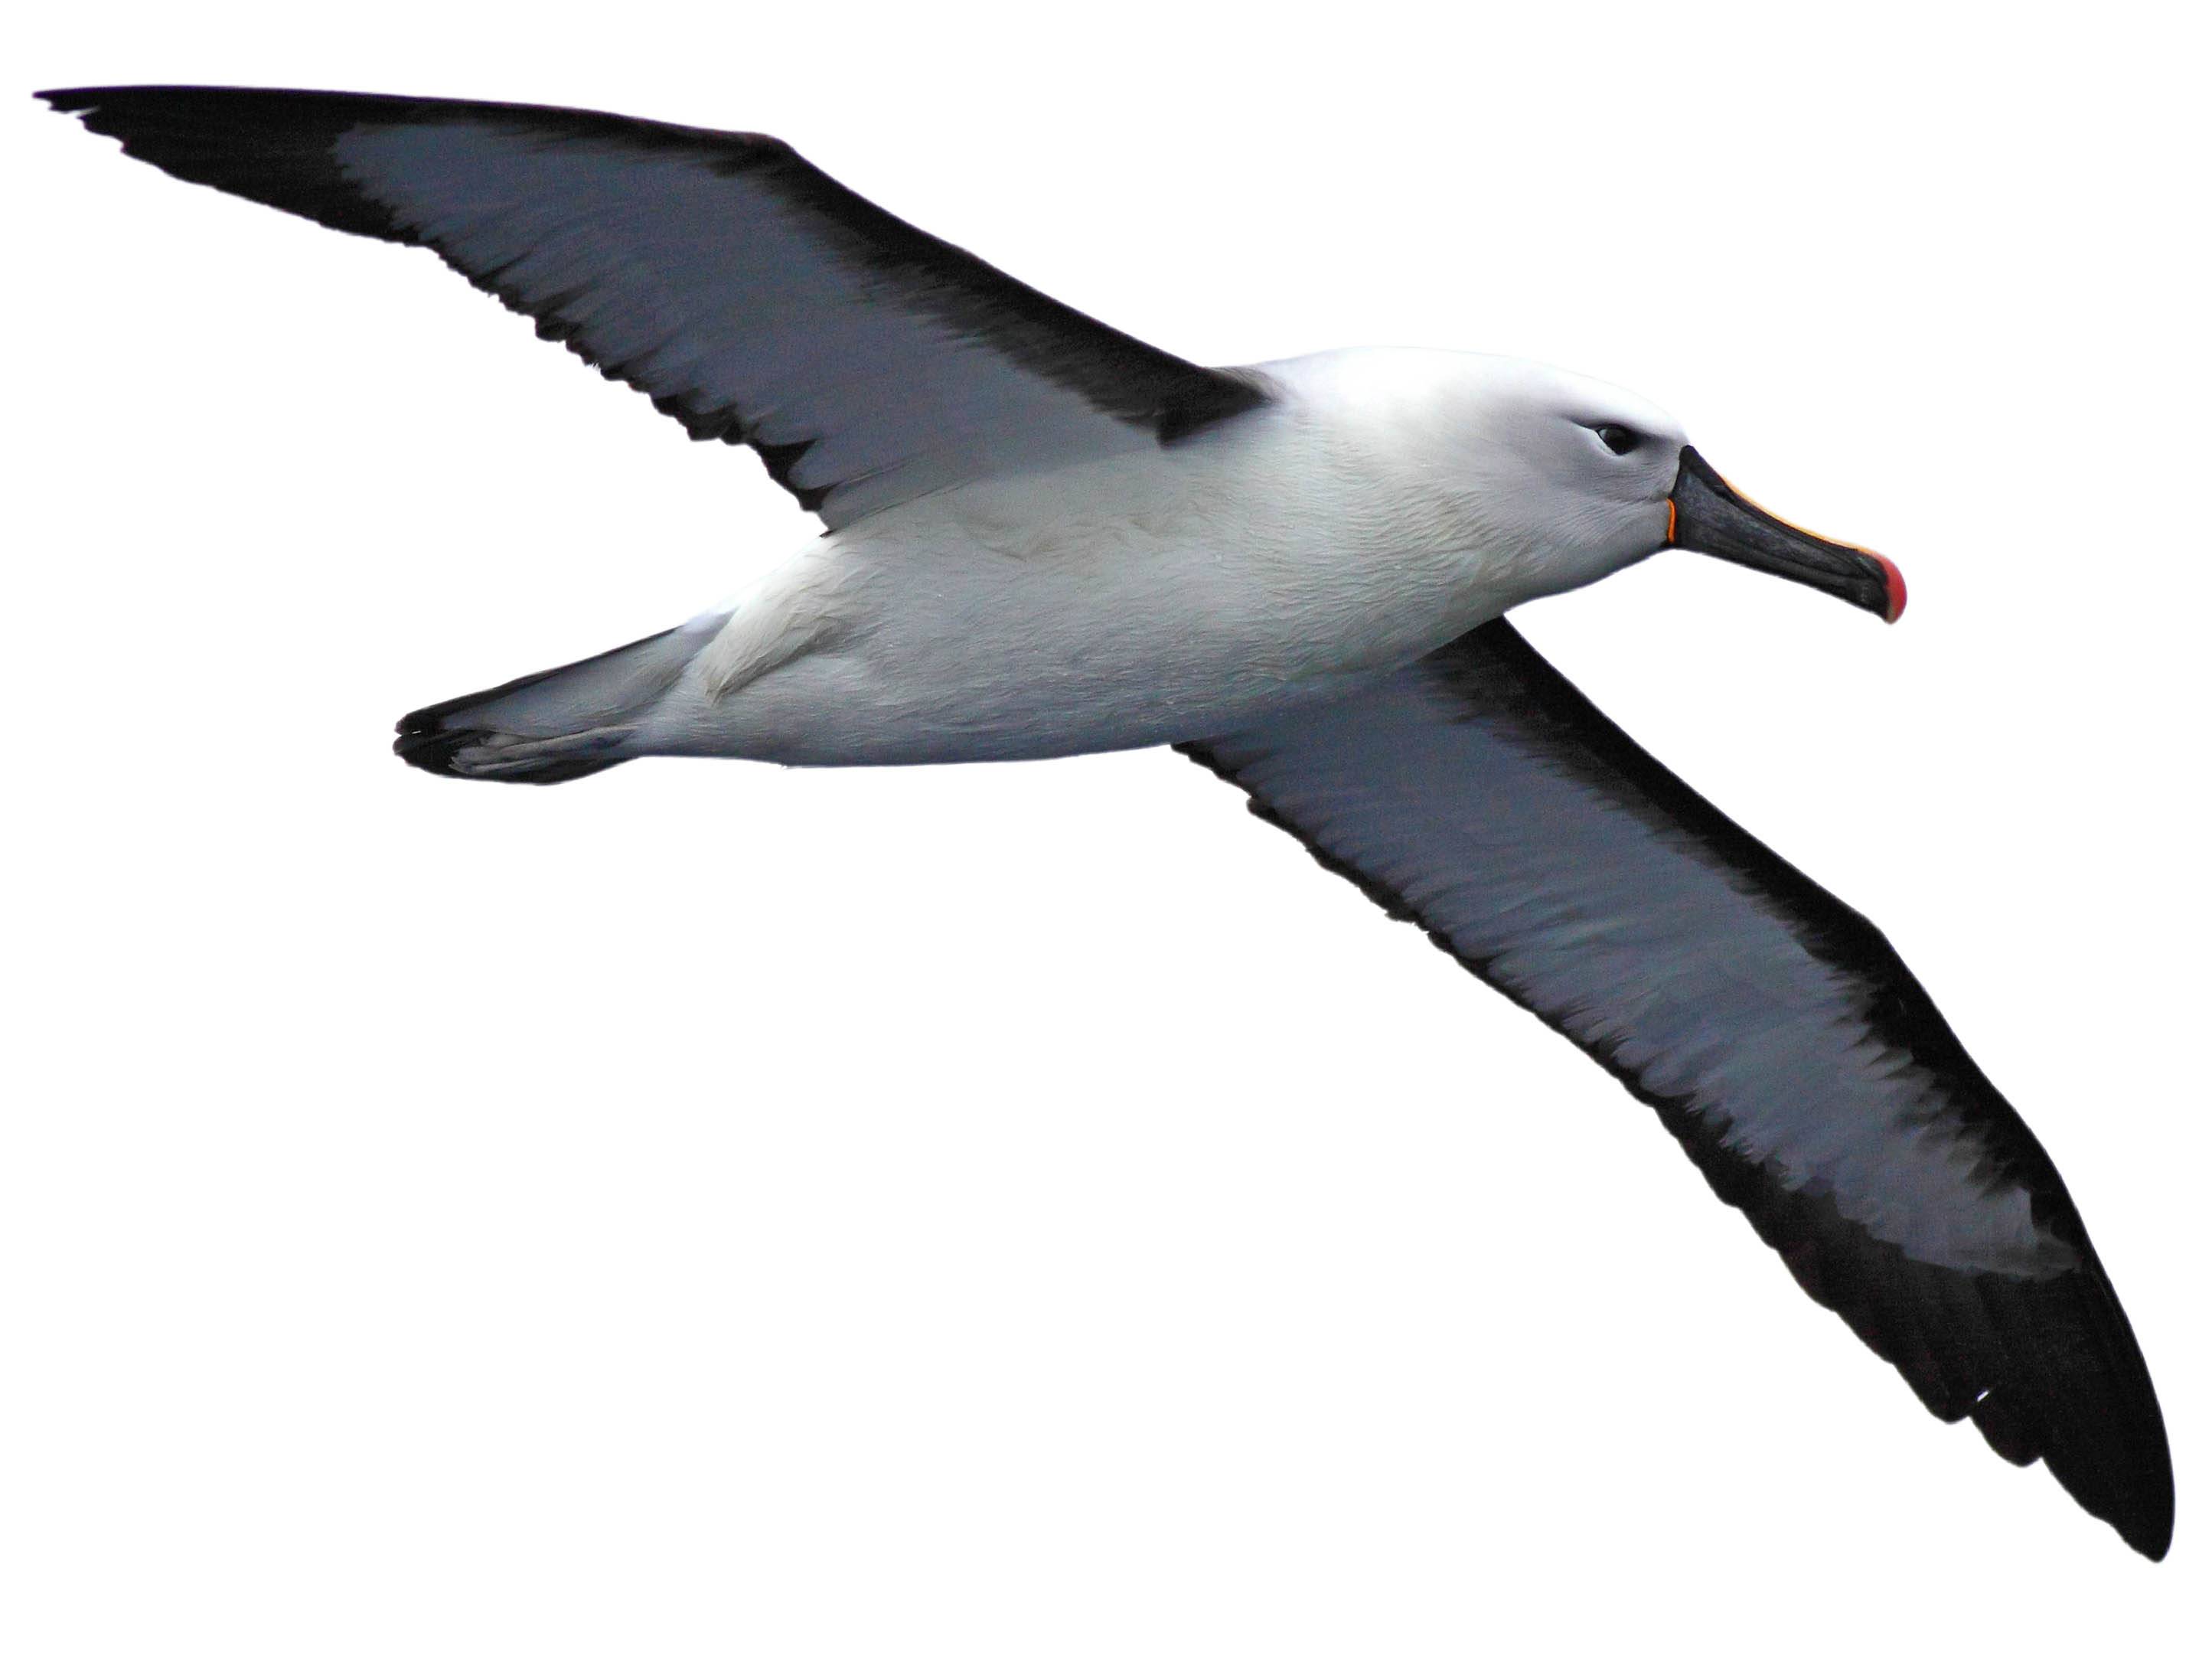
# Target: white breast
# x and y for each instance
(1130, 601)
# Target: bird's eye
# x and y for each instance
(1617, 439)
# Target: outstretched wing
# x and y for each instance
(751, 296)
(1776, 1032)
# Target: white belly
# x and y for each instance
(1119, 604)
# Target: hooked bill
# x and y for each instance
(1707, 515)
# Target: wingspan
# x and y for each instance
(1773, 1029)
(753, 297)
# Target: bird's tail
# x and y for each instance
(549, 727)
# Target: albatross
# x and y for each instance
(1044, 538)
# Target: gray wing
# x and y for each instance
(753, 297)
(1774, 1031)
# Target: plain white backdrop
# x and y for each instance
(1029, 1211)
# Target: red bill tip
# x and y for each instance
(1894, 578)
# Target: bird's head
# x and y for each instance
(1563, 480)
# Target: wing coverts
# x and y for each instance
(752, 297)
(1779, 1037)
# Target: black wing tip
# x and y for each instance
(123, 103)
(2130, 1490)
(104, 109)
(2048, 1370)
(2136, 1500)
(179, 95)
(75, 100)
(2067, 1383)
(2151, 1534)
(2128, 1487)
(267, 144)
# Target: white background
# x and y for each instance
(1032, 1210)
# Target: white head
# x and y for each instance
(1555, 479)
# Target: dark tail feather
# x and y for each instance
(549, 727)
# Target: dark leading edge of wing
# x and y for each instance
(752, 297)
(1776, 1032)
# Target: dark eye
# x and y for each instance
(1617, 439)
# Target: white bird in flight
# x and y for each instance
(1045, 537)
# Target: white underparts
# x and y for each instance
(790, 615)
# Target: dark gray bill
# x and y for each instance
(1707, 516)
